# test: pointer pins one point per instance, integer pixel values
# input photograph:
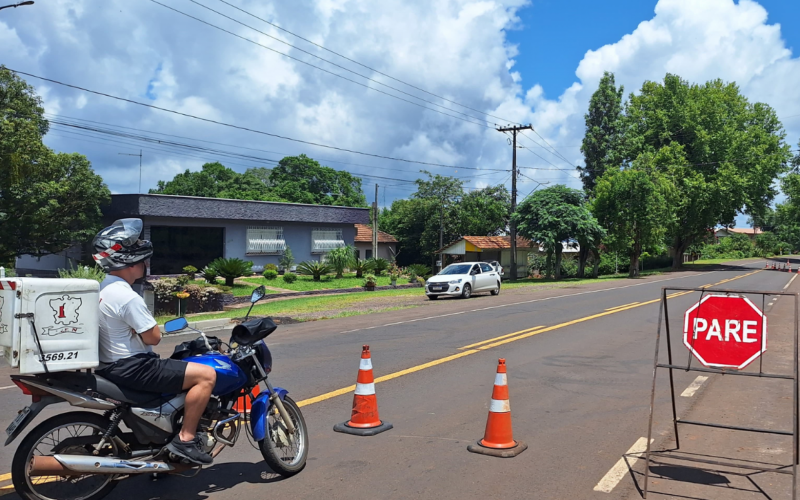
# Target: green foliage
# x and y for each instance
(287, 259)
(85, 273)
(418, 269)
(340, 259)
(370, 280)
(735, 246)
(183, 280)
(215, 180)
(379, 265)
(360, 266)
(232, 268)
(270, 274)
(190, 271)
(289, 277)
(314, 268)
(767, 244)
(271, 267)
(602, 144)
(299, 179)
(209, 274)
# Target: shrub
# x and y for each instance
(85, 273)
(190, 271)
(418, 269)
(184, 279)
(287, 259)
(165, 288)
(370, 280)
(361, 266)
(210, 274)
(270, 274)
(314, 268)
(272, 267)
(379, 265)
(230, 269)
(289, 277)
(421, 281)
(340, 258)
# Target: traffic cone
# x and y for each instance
(497, 439)
(364, 420)
(242, 404)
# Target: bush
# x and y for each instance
(370, 280)
(269, 267)
(314, 268)
(340, 258)
(379, 265)
(210, 274)
(421, 281)
(418, 269)
(287, 259)
(190, 271)
(289, 277)
(270, 274)
(85, 273)
(230, 269)
(165, 288)
(361, 266)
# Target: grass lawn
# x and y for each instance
(306, 283)
(239, 289)
(301, 305)
(573, 281)
(717, 261)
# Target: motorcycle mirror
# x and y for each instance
(258, 294)
(175, 325)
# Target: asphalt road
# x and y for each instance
(580, 391)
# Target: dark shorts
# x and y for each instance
(147, 372)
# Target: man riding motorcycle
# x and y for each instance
(128, 331)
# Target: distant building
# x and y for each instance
(387, 244)
(724, 232)
(187, 230)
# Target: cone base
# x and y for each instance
(494, 452)
(356, 431)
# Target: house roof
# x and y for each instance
(743, 230)
(489, 242)
(364, 235)
(193, 207)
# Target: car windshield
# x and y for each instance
(457, 269)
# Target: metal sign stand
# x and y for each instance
(663, 317)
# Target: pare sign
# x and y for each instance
(725, 331)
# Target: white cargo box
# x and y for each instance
(63, 313)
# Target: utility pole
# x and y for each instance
(140, 168)
(513, 226)
(375, 225)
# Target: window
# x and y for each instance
(368, 254)
(324, 240)
(486, 268)
(358, 253)
(265, 240)
(476, 269)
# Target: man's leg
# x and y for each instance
(199, 380)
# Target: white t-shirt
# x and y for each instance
(123, 316)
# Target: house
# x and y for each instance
(724, 232)
(187, 230)
(387, 244)
(487, 248)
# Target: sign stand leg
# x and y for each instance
(671, 380)
(653, 393)
(796, 436)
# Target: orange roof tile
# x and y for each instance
(364, 235)
(744, 230)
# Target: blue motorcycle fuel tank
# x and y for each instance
(229, 376)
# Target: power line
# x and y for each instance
(317, 67)
(230, 125)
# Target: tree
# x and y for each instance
(340, 258)
(553, 216)
(633, 205)
(215, 180)
(723, 152)
(601, 146)
(48, 201)
(299, 179)
(485, 212)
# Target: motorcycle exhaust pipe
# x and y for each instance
(78, 465)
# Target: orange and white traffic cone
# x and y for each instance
(498, 440)
(364, 420)
(242, 404)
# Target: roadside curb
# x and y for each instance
(326, 291)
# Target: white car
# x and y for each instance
(463, 280)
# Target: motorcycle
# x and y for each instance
(83, 455)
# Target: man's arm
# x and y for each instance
(151, 336)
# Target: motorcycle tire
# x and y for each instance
(19, 465)
(271, 450)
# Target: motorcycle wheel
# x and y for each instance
(51, 437)
(284, 456)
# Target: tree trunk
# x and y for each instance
(558, 260)
(633, 269)
(596, 267)
(548, 265)
(679, 246)
(583, 256)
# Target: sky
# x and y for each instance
(400, 86)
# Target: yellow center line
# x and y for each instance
(5, 477)
(617, 307)
(500, 337)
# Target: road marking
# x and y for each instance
(520, 303)
(5, 477)
(790, 282)
(694, 386)
(500, 337)
(620, 469)
(7, 387)
(617, 307)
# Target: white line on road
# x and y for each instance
(7, 387)
(790, 282)
(518, 303)
(694, 386)
(612, 477)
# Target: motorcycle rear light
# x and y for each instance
(25, 389)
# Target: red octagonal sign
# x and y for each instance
(725, 331)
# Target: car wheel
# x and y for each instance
(433, 297)
(467, 292)
(496, 291)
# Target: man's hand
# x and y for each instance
(151, 336)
